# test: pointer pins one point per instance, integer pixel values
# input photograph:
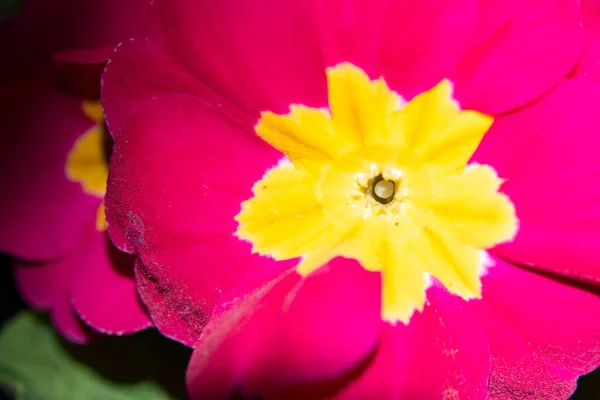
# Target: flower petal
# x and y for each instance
(301, 332)
(123, 92)
(46, 287)
(442, 347)
(303, 135)
(469, 207)
(179, 173)
(104, 293)
(433, 129)
(182, 286)
(224, 351)
(541, 331)
(514, 58)
(43, 214)
(413, 44)
(359, 107)
(265, 59)
(589, 67)
(163, 195)
(285, 46)
(284, 219)
(547, 153)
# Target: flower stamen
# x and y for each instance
(382, 190)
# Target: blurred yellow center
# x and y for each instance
(87, 162)
(382, 181)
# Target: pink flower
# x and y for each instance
(347, 250)
(63, 261)
(589, 64)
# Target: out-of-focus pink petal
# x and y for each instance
(43, 214)
(179, 172)
(45, 287)
(300, 332)
(589, 65)
(38, 284)
(548, 153)
(103, 291)
(543, 332)
(521, 49)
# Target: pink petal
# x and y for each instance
(589, 65)
(179, 171)
(123, 92)
(521, 49)
(548, 155)
(412, 43)
(262, 55)
(322, 328)
(182, 286)
(43, 214)
(221, 357)
(45, 287)
(441, 354)
(542, 332)
(274, 53)
(69, 325)
(104, 293)
(38, 284)
(300, 332)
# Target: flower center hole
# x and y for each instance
(382, 190)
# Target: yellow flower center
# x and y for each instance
(87, 162)
(382, 181)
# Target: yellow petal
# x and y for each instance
(93, 110)
(454, 143)
(418, 121)
(304, 135)
(284, 218)
(101, 224)
(455, 264)
(470, 207)
(86, 162)
(360, 107)
(436, 130)
(403, 282)
(330, 245)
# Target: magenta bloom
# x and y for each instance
(588, 66)
(367, 200)
(63, 262)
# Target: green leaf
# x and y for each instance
(35, 364)
(9, 7)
